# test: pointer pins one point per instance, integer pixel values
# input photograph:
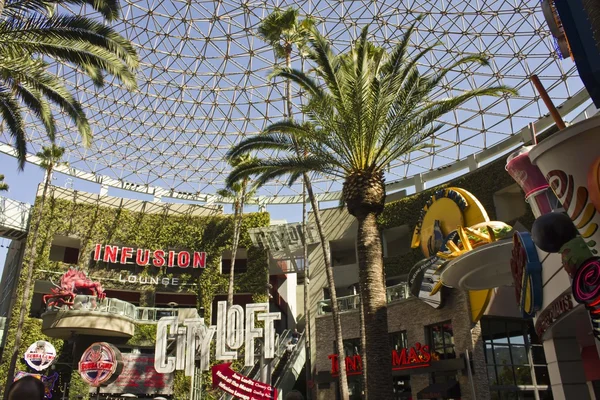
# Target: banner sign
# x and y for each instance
(283, 240)
(143, 257)
(140, 377)
(40, 355)
(239, 386)
(527, 274)
(235, 328)
(417, 356)
(422, 278)
(100, 364)
(48, 381)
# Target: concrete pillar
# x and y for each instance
(565, 368)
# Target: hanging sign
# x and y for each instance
(417, 356)
(143, 257)
(283, 240)
(40, 355)
(239, 386)
(100, 364)
(140, 377)
(586, 290)
(235, 328)
(527, 274)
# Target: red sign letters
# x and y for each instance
(417, 356)
(158, 258)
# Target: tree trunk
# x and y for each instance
(337, 326)
(238, 209)
(372, 284)
(25, 299)
(306, 297)
(343, 379)
(363, 345)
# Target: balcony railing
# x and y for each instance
(118, 307)
(347, 303)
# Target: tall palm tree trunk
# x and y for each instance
(372, 286)
(337, 326)
(363, 345)
(237, 225)
(25, 299)
(306, 296)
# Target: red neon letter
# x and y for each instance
(159, 258)
(199, 259)
(334, 363)
(183, 259)
(97, 251)
(125, 254)
(171, 258)
(142, 257)
(110, 253)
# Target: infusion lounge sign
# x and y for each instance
(143, 257)
(235, 328)
(417, 356)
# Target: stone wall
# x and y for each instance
(413, 316)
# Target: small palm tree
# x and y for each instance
(31, 32)
(365, 109)
(282, 30)
(240, 193)
(3, 185)
(50, 158)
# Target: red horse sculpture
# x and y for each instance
(72, 283)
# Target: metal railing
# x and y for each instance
(348, 303)
(117, 307)
(14, 214)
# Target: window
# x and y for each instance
(65, 249)
(241, 261)
(515, 360)
(441, 340)
(398, 340)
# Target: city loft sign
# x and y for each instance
(158, 258)
(235, 328)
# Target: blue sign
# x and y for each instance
(527, 274)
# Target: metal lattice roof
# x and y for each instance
(203, 86)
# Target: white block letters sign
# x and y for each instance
(234, 328)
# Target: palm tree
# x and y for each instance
(364, 110)
(283, 30)
(3, 185)
(30, 32)
(49, 159)
(240, 194)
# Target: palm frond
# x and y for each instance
(249, 145)
(11, 114)
(109, 9)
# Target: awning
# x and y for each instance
(446, 390)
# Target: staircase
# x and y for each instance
(253, 372)
(290, 366)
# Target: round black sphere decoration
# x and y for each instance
(551, 231)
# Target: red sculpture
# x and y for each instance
(72, 283)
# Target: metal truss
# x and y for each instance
(203, 87)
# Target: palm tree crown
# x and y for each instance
(50, 157)
(3, 185)
(30, 32)
(373, 108)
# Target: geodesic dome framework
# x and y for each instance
(203, 86)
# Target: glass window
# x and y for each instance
(398, 340)
(515, 359)
(441, 341)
